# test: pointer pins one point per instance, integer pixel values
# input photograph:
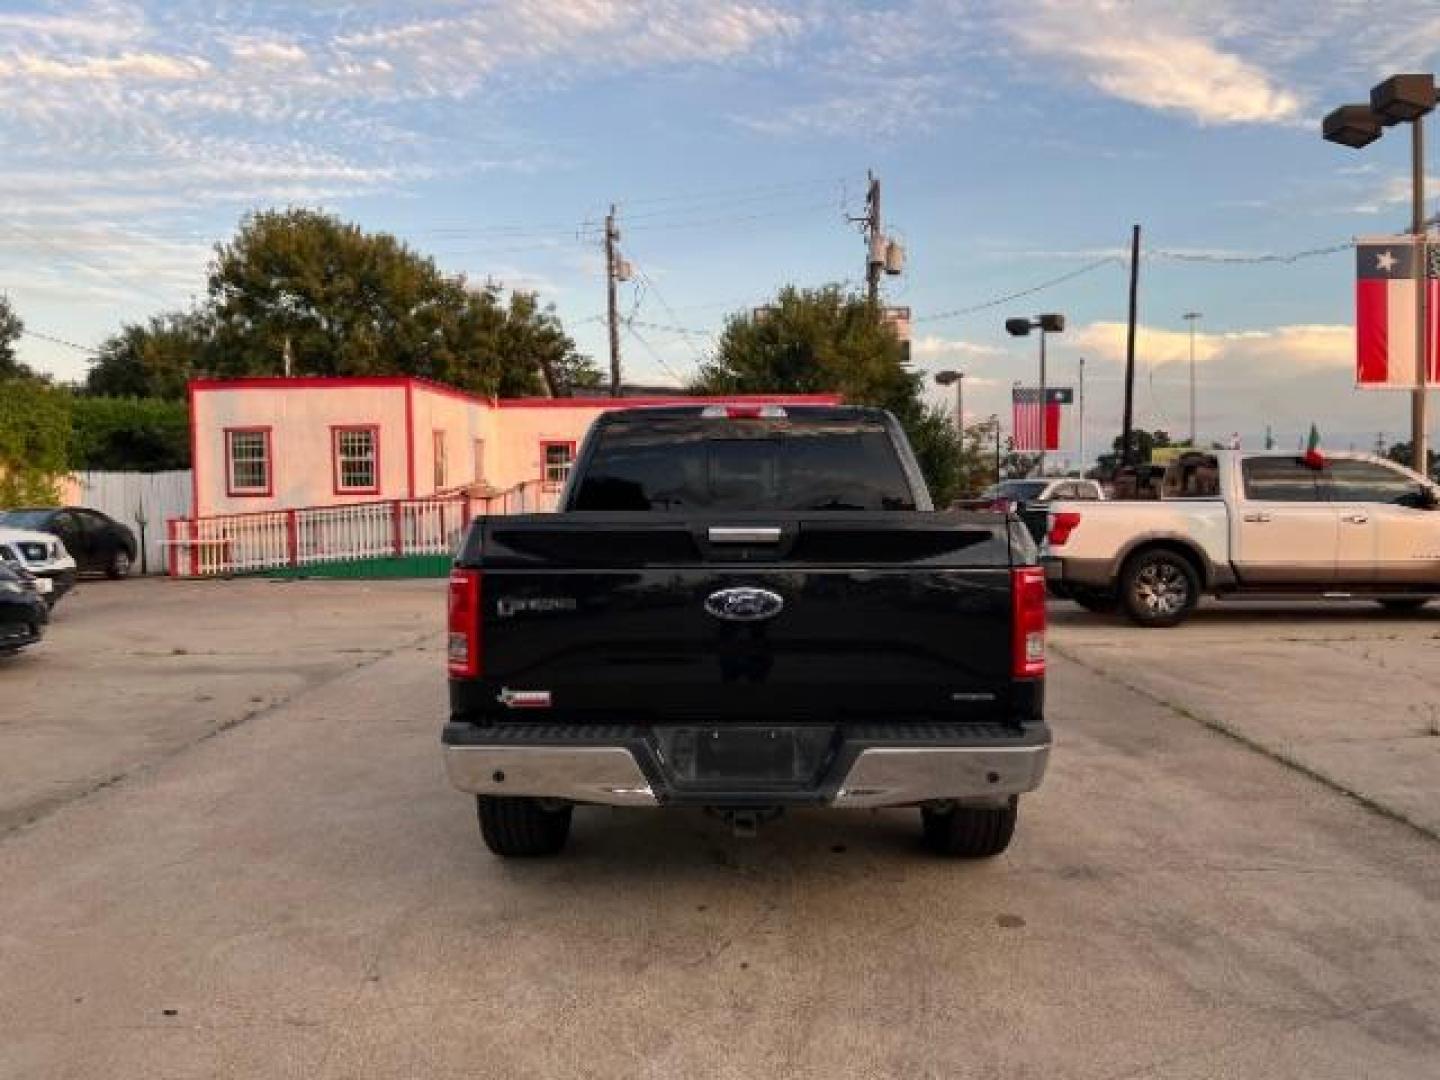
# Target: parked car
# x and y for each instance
(1031, 498)
(1248, 526)
(744, 609)
(99, 543)
(23, 612)
(42, 555)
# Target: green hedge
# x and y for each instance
(34, 441)
(129, 434)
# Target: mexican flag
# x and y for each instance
(1314, 457)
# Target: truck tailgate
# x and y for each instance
(838, 615)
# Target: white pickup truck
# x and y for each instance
(1239, 525)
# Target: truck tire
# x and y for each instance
(1404, 606)
(1159, 587)
(518, 828)
(970, 832)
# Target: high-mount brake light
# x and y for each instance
(743, 412)
(463, 644)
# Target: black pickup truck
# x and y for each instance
(745, 608)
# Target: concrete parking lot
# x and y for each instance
(228, 850)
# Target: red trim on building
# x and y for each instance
(335, 430)
(249, 493)
(334, 382)
(194, 452)
(409, 440)
(545, 482)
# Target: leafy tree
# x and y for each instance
(155, 359)
(123, 434)
(11, 327)
(813, 341)
(34, 440)
(347, 302)
(829, 340)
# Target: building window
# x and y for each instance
(356, 452)
(556, 458)
(247, 461)
(442, 467)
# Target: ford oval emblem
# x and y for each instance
(744, 604)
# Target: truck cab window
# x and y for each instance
(1367, 481)
(1281, 479)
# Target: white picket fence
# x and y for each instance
(270, 539)
(143, 501)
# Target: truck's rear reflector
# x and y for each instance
(463, 647)
(1061, 526)
(1027, 622)
(743, 412)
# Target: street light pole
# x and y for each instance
(1044, 406)
(1190, 317)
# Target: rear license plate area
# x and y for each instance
(744, 757)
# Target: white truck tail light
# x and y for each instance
(1061, 526)
(1027, 622)
(743, 412)
(463, 643)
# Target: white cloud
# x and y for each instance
(934, 347)
(1144, 55)
(1280, 349)
(127, 66)
(267, 52)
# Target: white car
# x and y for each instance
(42, 555)
(1252, 525)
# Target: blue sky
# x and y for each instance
(1015, 142)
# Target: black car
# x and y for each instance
(23, 614)
(98, 543)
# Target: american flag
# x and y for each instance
(1028, 416)
(1385, 298)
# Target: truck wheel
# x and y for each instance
(970, 832)
(119, 566)
(522, 827)
(1159, 588)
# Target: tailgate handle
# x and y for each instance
(726, 534)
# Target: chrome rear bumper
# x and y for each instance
(878, 775)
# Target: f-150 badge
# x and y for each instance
(744, 604)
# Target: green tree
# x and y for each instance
(1144, 442)
(347, 302)
(813, 341)
(125, 434)
(11, 327)
(155, 359)
(1401, 454)
(34, 441)
(830, 340)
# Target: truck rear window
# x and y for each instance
(694, 463)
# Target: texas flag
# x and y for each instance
(1385, 296)
(1031, 418)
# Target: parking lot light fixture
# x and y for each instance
(1051, 322)
(1400, 99)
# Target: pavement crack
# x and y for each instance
(43, 809)
(1274, 753)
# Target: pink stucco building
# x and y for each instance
(282, 443)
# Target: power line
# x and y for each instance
(654, 354)
(1246, 260)
(61, 341)
(1008, 297)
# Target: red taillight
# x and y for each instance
(743, 412)
(1061, 526)
(463, 644)
(1027, 622)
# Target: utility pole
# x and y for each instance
(1191, 317)
(1082, 416)
(1127, 437)
(612, 266)
(874, 240)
